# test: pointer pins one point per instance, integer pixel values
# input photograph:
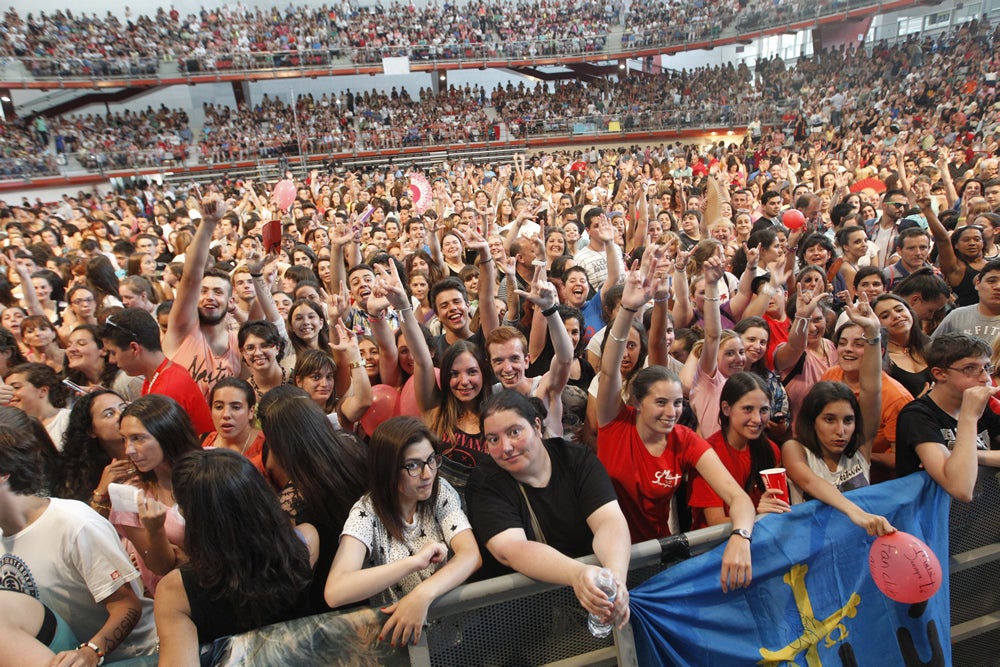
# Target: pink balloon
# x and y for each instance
(793, 219)
(284, 194)
(408, 397)
(904, 568)
(383, 406)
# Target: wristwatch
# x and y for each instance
(744, 533)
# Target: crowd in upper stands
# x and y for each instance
(68, 43)
(491, 366)
(864, 88)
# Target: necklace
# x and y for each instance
(253, 383)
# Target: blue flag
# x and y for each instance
(812, 601)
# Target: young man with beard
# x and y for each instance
(198, 336)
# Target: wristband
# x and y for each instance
(357, 364)
(93, 647)
(631, 310)
(403, 310)
(874, 340)
(616, 338)
(551, 310)
(256, 275)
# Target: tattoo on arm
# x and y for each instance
(123, 630)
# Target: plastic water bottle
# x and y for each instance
(596, 624)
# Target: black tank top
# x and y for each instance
(218, 618)
(966, 290)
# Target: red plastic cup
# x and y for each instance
(775, 478)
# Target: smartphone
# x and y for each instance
(74, 386)
(271, 231)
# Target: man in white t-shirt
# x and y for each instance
(69, 558)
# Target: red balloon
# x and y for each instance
(408, 397)
(284, 194)
(793, 219)
(383, 406)
(904, 568)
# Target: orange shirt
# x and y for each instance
(894, 397)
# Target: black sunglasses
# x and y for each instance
(111, 323)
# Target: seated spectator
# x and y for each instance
(567, 495)
(248, 566)
(395, 544)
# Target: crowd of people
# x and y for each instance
(862, 90)
(530, 365)
(566, 354)
(72, 44)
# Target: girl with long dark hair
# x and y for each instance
(319, 471)
(394, 547)
(834, 430)
(247, 568)
(157, 433)
(743, 447)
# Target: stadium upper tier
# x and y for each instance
(346, 38)
(929, 80)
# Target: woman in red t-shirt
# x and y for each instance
(743, 447)
(646, 453)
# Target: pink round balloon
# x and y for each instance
(793, 219)
(383, 406)
(904, 568)
(284, 194)
(408, 397)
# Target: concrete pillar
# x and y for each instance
(7, 113)
(439, 81)
(241, 93)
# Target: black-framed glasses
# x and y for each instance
(416, 468)
(973, 370)
(111, 323)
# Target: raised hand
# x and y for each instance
(213, 207)
(391, 286)
(342, 339)
(714, 270)
(543, 293)
(807, 301)
(861, 314)
(753, 256)
(638, 286)
(339, 302)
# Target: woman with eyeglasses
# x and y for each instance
(82, 310)
(262, 347)
(960, 254)
(93, 452)
(394, 547)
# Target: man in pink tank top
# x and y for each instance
(198, 337)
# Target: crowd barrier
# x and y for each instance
(512, 620)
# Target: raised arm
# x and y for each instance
(265, 300)
(947, 259)
(184, 313)
(659, 351)
(682, 310)
(638, 291)
(344, 345)
(33, 305)
(489, 316)
(708, 361)
(949, 185)
(605, 231)
(744, 293)
(427, 393)
(787, 354)
(543, 295)
(871, 371)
